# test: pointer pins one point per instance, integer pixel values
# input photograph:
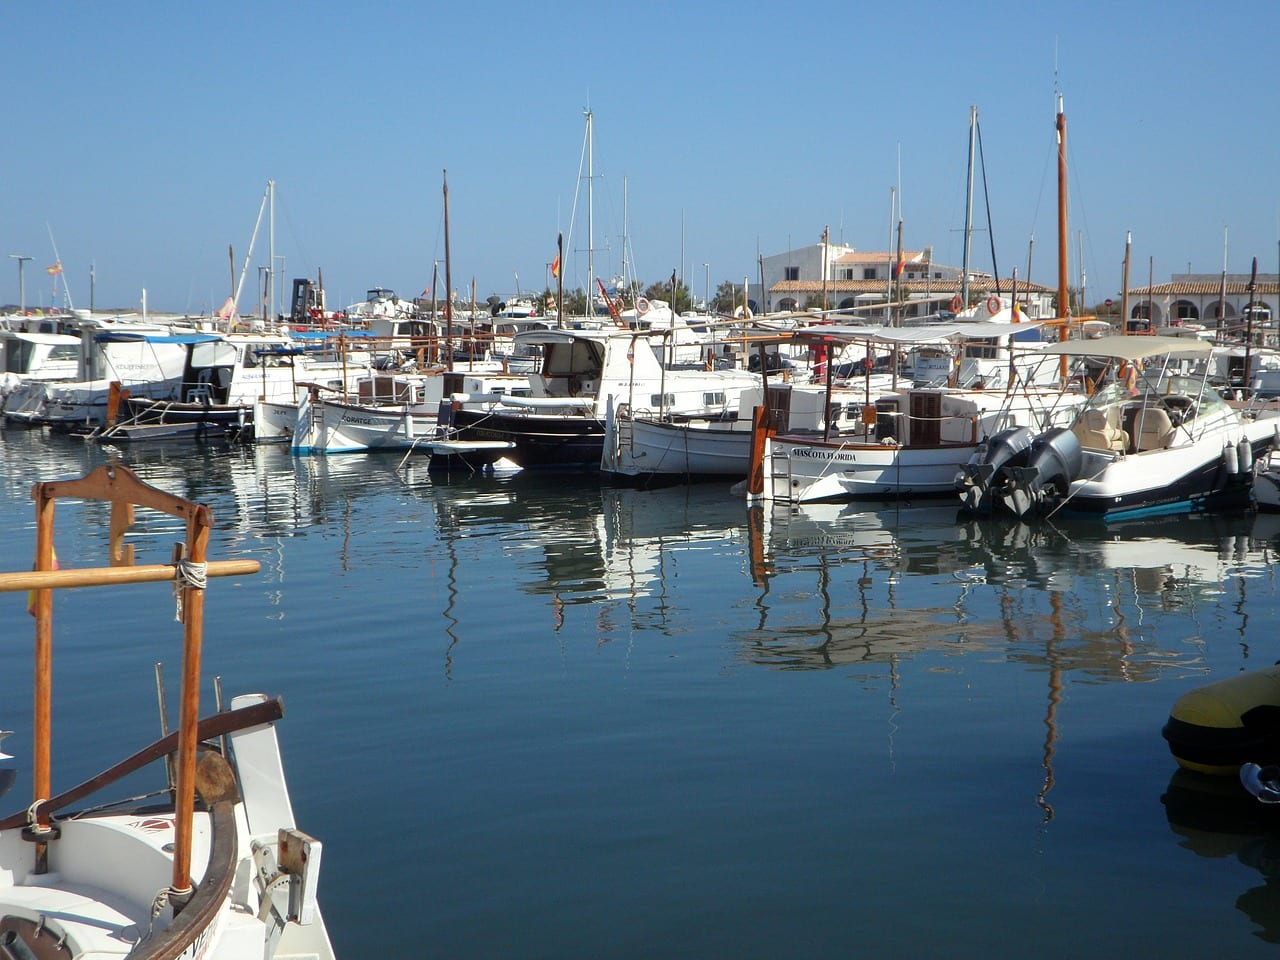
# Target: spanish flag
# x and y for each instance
(54, 270)
(555, 267)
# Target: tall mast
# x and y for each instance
(591, 243)
(271, 263)
(448, 276)
(968, 211)
(1124, 293)
(1064, 304)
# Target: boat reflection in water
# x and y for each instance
(1216, 819)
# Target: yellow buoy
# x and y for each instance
(1216, 728)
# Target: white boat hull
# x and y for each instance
(326, 427)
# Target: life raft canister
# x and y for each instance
(1216, 728)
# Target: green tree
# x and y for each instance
(575, 303)
(727, 297)
(680, 298)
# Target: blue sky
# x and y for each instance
(142, 135)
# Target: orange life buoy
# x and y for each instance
(956, 304)
(993, 305)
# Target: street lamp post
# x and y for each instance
(706, 287)
(22, 286)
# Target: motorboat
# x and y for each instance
(1155, 437)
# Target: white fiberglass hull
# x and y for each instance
(326, 426)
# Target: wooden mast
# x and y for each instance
(1064, 303)
(448, 278)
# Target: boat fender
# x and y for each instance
(1245, 455)
(993, 305)
(1217, 728)
(1231, 459)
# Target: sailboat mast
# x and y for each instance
(1124, 293)
(968, 211)
(271, 263)
(448, 276)
(1064, 304)
(591, 243)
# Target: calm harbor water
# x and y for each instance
(537, 717)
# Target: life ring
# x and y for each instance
(956, 304)
(642, 306)
(993, 305)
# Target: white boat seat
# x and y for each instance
(1154, 429)
(1093, 430)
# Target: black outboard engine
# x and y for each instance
(1052, 463)
(978, 479)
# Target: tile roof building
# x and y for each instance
(848, 278)
(1199, 298)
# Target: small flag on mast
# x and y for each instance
(555, 267)
(54, 270)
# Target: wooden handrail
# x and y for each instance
(217, 725)
(114, 576)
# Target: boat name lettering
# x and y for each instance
(806, 453)
(367, 421)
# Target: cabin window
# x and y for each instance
(662, 400)
(715, 399)
(792, 273)
(17, 356)
(983, 349)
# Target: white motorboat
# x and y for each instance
(210, 865)
(1151, 440)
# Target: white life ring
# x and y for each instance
(642, 306)
(993, 305)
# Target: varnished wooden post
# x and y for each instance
(198, 524)
(42, 759)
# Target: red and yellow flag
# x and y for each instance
(555, 267)
(54, 270)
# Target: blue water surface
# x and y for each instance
(543, 717)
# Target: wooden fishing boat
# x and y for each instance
(211, 867)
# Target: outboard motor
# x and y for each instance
(975, 481)
(1052, 463)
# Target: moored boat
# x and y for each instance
(1152, 439)
(212, 864)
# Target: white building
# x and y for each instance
(1197, 298)
(842, 278)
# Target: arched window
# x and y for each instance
(847, 303)
(1182, 311)
(788, 303)
(1145, 310)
